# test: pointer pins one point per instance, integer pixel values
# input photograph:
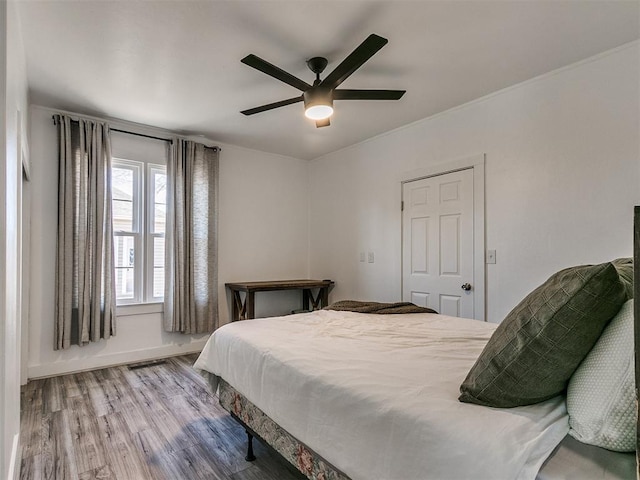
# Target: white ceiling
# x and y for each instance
(176, 64)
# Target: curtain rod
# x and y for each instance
(170, 140)
(53, 117)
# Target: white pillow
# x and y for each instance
(601, 392)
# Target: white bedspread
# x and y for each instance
(376, 395)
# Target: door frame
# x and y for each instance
(475, 163)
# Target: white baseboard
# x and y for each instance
(15, 460)
(111, 360)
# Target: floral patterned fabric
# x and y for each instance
(304, 459)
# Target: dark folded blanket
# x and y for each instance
(377, 307)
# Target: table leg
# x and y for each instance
(237, 305)
(317, 301)
(250, 305)
(324, 292)
(305, 298)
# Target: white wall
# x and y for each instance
(562, 176)
(263, 225)
(263, 236)
(13, 98)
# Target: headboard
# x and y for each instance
(636, 313)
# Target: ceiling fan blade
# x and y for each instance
(355, 60)
(368, 94)
(323, 123)
(271, 106)
(275, 72)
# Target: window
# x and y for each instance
(139, 211)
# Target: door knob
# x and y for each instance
(466, 287)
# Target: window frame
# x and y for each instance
(136, 226)
(143, 203)
(150, 234)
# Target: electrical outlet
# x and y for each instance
(491, 256)
(371, 257)
(362, 259)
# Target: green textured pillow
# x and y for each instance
(533, 352)
(624, 266)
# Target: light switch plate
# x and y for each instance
(491, 256)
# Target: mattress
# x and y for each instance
(377, 395)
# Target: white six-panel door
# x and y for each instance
(438, 243)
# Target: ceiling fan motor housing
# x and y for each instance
(317, 96)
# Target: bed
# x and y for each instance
(346, 395)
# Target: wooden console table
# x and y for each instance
(243, 310)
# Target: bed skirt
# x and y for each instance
(309, 463)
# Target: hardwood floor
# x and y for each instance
(156, 422)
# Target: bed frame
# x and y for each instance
(258, 424)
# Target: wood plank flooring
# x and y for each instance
(157, 422)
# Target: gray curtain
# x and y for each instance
(191, 239)
(85, 282)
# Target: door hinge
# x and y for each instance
(402, 206)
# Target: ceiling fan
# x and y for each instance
(318, 98)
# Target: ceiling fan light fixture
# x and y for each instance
(318, 112)
(318, 104)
